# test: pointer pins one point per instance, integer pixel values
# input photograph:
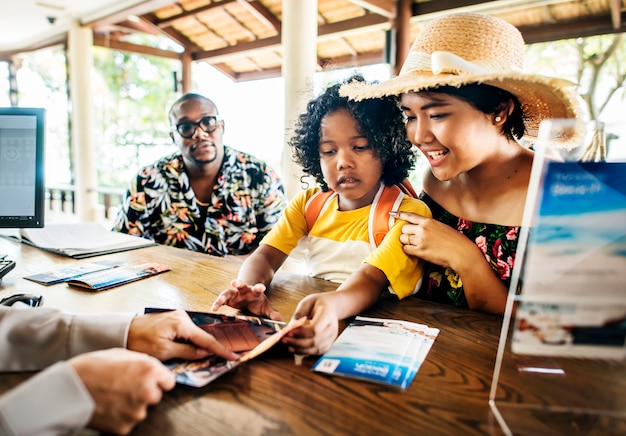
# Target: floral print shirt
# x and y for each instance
(498, 244)
(247, 200)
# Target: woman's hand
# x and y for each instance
(434, 241)
(438, 243)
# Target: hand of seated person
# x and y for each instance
(316, 336)
(122, 384)
(243, 296)
(167, 335)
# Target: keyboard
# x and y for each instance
(6, 265)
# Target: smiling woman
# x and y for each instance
(467, 105)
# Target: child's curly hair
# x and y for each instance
(379, 120)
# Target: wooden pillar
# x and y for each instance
(186, 71)
(403, 33)
(299, 39)
(80, 59)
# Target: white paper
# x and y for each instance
(81, 238)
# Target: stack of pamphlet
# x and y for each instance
(385, 351)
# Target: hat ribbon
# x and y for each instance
(445, 62)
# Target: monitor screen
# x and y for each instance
(22, 185)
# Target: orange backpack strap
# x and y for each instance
(406, 187)
(314, 207)
(386, 200)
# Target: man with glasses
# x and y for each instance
(206, 196)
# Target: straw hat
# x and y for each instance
(463, 48)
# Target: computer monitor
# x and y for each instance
(22, 184)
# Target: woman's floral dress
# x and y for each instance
(498, 244)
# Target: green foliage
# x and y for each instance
(132, 94)
(595, 64)
(42, 82)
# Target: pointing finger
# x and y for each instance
(409, 217)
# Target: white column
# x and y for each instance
(80, 60)
(299, 36)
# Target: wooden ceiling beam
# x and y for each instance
(48, 42)
(262, 14)
(171, 33)
(353, 61)
(269, 73)
(433, 9)
(169, 22)
(275, 42)
(115, 44)
(138, 25)
(241, 49)
(224, 69)
(386, 8)
(598, 25)
(363, 23)
(326, 64)
(106, 18)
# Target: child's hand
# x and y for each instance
(316, 336)
(243, 296)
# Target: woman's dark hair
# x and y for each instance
(490, 100)
(379, 120)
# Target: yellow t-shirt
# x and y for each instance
(339, 242)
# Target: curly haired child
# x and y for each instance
(357, 150)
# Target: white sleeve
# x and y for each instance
(34, 338)
(52, 402)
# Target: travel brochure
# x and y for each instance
(248, 335)
(109, 278)
(572, 297)
(379, 350)
(67, 273)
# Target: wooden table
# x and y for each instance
(271, 395)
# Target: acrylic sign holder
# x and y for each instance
(560, 367)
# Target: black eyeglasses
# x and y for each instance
(32, 300)
(188, 128)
